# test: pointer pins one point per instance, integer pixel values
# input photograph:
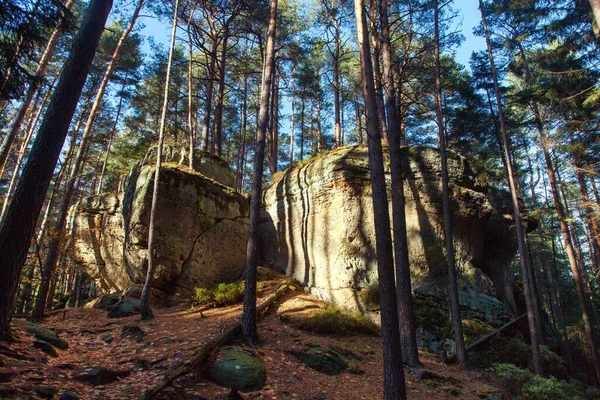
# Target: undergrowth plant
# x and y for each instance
(524, 384)
(221, 295)
(333, 320)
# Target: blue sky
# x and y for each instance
(468, 17)
(469, 13)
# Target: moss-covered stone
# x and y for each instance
(237, 368)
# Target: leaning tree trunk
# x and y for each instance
(144, 299)
(393, 374)
(461, 352)
(535, 348)
(34, 87)
(249, 314)
(59, 226)
(17, 230)
(410, 353)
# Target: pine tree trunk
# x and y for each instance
(33, 88)
(191, 114)
(393, 374)
(21, 152)
(535, 348)
(377, 71)
(145, 311)
(17, 230)
(410, 353)
(218, 120)
(461, 352)
(249, 313)
(54, 246)
(585, 312)
(209, 95)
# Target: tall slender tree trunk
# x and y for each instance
(302, 127)
(17, 230)
(218, 120)
(274, 138)
(535, 348)
(249, 313)
(410, 353)
(113, 132)
(337, 131)
(54, 246)
(33, 88)
(145, 311)
(243, 134)
(585, 312)
(209, 95)
(590, 219)
(393, 374)
(191, 114)
(377, 71)
(461, 351)
(292, 126)
(21, 153)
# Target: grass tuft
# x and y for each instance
(221, 295)
(334, 320)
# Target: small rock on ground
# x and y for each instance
(100, 376)
(45, 347)
(46, 392)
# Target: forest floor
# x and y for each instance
(176, 333)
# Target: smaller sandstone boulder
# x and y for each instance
(46, 392)
(68, 395)
(326, 361)
(47, 336)
(125, 308)
(236, 368)
(45, 347)
(100, 376)
(105, 301)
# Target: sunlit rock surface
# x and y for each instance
(201, 226)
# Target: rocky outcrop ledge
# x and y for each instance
(201, 226)
(317, 226)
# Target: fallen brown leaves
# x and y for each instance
(174, 335)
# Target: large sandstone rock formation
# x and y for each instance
(317, 226)
(201, 227)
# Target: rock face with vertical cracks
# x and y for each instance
(201, 226)
(317, 226)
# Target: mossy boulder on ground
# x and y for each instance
(237, 368)
(328, 362)
(46, 335)
(125, 308)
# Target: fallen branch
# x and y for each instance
(488, 336)
(202, 354)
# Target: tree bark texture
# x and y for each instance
(17, 230)
(410, 353)
(145, 311)
(535, 348)
(393, 373)
(249, 313)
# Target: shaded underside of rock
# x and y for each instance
(201, 228)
